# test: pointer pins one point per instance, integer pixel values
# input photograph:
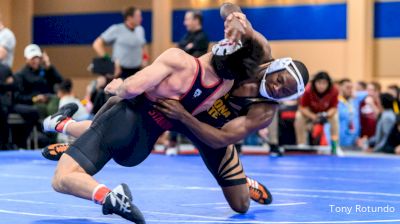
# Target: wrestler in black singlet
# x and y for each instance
(223, 163)
(128, 131)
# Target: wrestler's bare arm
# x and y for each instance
(168, 62)
(259, 116)
(229, 12)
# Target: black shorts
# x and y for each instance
(126, 133)
(224, 163)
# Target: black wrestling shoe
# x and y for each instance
(275, 151)
(258, 192)
(57, 121)
(119, 201)
(54, 151)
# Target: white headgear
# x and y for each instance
(278, 65)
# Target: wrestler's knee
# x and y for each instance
(66, 166)
(56, 182)
(241, 205)
(237, 197)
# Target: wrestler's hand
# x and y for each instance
(172, 109)
(113, 86)
(237, 26)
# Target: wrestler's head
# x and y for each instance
(282, 79)
(236, 60)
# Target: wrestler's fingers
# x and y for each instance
(244, 23)
(162, 109)
(163, 103)
(229, 18)
(239, 15)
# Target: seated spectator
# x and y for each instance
(394, 90)
(369, 110)
(35, 96)
(392, 144)
(318, 105)
(349, 117)
(385, 124)
(361, 86)
(5, 103)
(64, 92)
(36, 81)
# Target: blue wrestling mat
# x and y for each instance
(306, 189)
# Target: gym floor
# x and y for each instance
(306, 189)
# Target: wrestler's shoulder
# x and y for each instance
(177, 57)
(176, 53)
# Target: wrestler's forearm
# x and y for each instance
(250, 33)
(259, 38)
(208, 134)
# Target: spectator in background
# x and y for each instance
(65, 93)
(385, 124)
(361, 86)
(317, 105)
(195, 41)
(129, 51)
(5, 103)
(369, 110)
(392, 144)
(7, 45)
(36, 81)
(34, 97)
(394, 90)
(349, 117)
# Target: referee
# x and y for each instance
(129, 51)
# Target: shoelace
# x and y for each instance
(60, 146)
(256, 193)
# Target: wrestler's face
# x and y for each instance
(280, 84)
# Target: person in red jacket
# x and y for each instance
(318, 105)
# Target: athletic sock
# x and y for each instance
(62, 126)
(100, 193)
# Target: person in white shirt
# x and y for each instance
(7, 45)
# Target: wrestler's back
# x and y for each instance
(180, 80)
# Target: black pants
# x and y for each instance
(126, 72)
(30, 114)
(4, 128)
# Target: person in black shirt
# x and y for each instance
(36, 80)
(5, 102)
(35, 96)
(195, 41)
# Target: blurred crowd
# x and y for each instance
(341, 113)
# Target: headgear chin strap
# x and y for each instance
(279, 65)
